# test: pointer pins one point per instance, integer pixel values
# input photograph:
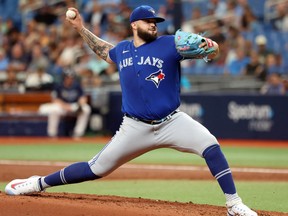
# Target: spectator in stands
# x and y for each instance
(218, 36)
(97, 15)
(117, 27)
(234, 39)
(248, 21)
(97, 65)
(70, 52)
(44, 36)
(273, 63)
(26, 8)
(193, 24)
(68, 98)
(110, 75)
(172, 12)
(236, 66)
(90, 81)
(217, 32)
(4, 62)
(168, 27)
(274, 85)
(104, 9)
(254, 68)
(37, 79)
(280, 17)
(18, 58)
(37, 58)
(237, 7)
(261, 47)
(170, 8)
(81, 66)
(217, 8)
(125, 12)
(53, 52)
(110, 34)
(31, 34)
(12, 34)
(11, 82)
(56, 70)
(241, 4)
(89, 69)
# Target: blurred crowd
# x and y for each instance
(37, 44)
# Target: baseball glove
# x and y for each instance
(187, 44)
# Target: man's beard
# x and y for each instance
(146, 36)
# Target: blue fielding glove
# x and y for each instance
(187, 45)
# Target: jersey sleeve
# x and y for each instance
(112, 54)
(115, 51)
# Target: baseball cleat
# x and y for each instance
(237, 208)
(23, 186)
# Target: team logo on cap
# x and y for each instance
(152, 11)
(156, 77)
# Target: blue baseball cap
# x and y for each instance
(144, 12)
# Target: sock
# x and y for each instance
(232, 197)
(219, 168)
(75, 173)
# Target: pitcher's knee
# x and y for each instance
(99, 170)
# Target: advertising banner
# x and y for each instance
(226, 116)
(240, 116)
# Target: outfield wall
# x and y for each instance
(226, 116)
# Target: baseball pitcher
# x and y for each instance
(149, 69)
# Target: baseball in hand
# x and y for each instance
(70, 14)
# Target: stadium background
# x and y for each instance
(229, 102)
(30, 25)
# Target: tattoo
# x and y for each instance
(99, 46)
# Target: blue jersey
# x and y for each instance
(149, 77)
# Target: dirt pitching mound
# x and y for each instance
(47, 204)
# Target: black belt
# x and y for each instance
(152, 122)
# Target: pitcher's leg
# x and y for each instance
(129, 142)
(193, 137)
(185, 134)
(132, 140)
(74, 173)
(220, 169)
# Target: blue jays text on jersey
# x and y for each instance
(143, 61)
(149, 77)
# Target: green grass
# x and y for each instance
(270, 196)
(67, 152)
(258, 195)
(237, 156)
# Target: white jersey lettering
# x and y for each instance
(125, 63)
(154, 62)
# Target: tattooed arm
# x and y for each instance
(99, 46)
